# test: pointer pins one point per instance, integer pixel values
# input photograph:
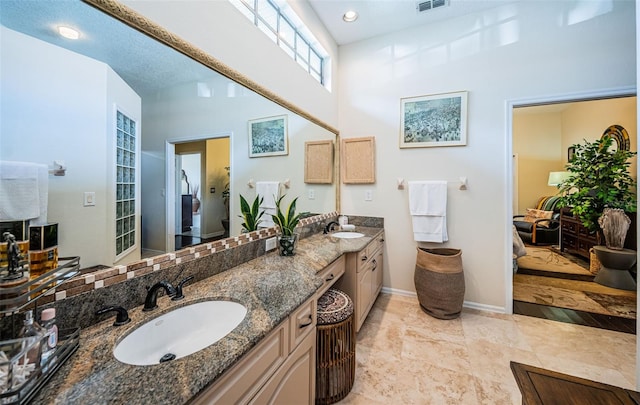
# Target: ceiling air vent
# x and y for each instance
(427, 5)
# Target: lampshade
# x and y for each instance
(556, 178)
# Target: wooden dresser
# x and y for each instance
(576, 239)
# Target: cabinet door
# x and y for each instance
(242, 381)
(364, 295)
(377, 275)
(295, 381)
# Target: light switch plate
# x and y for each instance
(270, 244)
(368, 195)
(89, 198)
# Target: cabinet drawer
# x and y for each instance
(569, 241)
(331, 273)
(377, 243)
(569, 227)
(244, 379)
(302, 321)
(584, 245)
(362, 258)
(366, 254)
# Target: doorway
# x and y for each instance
(189, 169)
(204, 160)
(563, 121)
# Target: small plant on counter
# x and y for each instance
(251, 214)
(286, 222)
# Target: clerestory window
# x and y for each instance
(283, 27)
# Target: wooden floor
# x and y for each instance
(573, 316)
(608, 322)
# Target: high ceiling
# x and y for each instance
(105, 39)
(129, 54)
(377, 17)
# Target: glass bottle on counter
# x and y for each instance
(48, 318)
(32, 329)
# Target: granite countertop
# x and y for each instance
(270, 287)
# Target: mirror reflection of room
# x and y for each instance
(177, 103)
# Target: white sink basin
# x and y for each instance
(347, 235)
(179, 333)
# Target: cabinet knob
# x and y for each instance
(331, 277)
(375, 264)
(364, 258)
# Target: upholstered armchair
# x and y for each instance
(540, 225)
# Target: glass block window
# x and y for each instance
(125, 183)
(278, 22)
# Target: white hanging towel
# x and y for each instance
(23, 191)
(270, 191)
(428, 208)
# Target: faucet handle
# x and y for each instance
(122, 316)
(178, 295)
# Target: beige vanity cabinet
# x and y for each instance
(279, 369)
(362, 280)
(295, 381)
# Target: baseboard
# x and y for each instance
(395, 291)
(465, 304)
(484, 307)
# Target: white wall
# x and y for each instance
(512, 52)
(219, 29)
(42, 114)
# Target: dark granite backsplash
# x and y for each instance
(371, 222)
(79, 310)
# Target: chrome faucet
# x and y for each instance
(329, 227)
(152, 294)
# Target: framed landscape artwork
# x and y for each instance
(435, 120)
(268, 137)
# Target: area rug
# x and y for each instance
(584, 296)
(540, 260)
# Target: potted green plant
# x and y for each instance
(286, 222)
(251, 213)
(599, 179)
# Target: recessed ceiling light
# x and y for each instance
(68, 32)
(350, 16)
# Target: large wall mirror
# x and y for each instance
(139, 125)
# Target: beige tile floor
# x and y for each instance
(404, 356)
